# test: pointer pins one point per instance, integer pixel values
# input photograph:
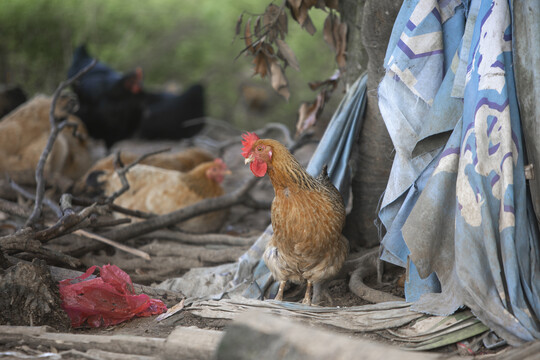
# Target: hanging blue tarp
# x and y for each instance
(456, 206)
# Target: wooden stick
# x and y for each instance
(117, 245)
(55, 130)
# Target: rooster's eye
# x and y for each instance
(259, 148)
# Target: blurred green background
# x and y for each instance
(175, 42)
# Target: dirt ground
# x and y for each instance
(173, 259)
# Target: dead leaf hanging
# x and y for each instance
(261, 64)
(288, 54)
(278, 80)
(335, 35)
(309, 112)
(270, 21)
(332, 4)
(247, 37)
(239, 24)
(328, 31)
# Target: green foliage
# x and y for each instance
(173, 41)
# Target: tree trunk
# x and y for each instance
(372, 21)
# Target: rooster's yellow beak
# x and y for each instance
(249, 159)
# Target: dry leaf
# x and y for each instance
(335, 34)
(288, 54)
(303, 15)
(238, 25)
(258, 27)
(295, 3)
(332, 4)
(283, 24)
(176, 308)
(308, 25)
(309, 112)
(267, 49)
(261, 64)
(342, 46)
(270, 21)
(328, 31)
(310, 3)
(278, 79)
(247, 37)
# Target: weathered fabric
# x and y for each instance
(457, 216)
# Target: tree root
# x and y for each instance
(366, 265)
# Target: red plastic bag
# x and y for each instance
(105, 300)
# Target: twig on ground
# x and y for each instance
(202, 239)
(123, 170)
(56, 128)
(122, 247)
(53, 206)
(23, 241)
(13, 208)
(101, 223)
(115, 208)
(68, 221)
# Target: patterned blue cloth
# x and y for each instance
(456, 207)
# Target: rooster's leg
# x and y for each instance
(307, 297)
(279, 295)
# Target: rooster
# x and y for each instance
(161, 191)
(307, 218)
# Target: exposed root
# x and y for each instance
(366, 265)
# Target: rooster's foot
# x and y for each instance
(279, 295)
(307, 297)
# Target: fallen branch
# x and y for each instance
(56, 128)
(119, 246)
(166, 220)
(22, 241)
(68, 221)
(204, 239)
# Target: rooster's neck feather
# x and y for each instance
(286, 172)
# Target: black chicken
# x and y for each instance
(170, 116)
(114, 106)
(111, 103)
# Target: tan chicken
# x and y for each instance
(161, 191)
(181, 161)
(23, 136)
(307, 218)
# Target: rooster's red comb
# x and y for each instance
(249, 140)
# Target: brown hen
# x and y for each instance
(307, 217)
(182, 161)
(161, 191)
(24, 133)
